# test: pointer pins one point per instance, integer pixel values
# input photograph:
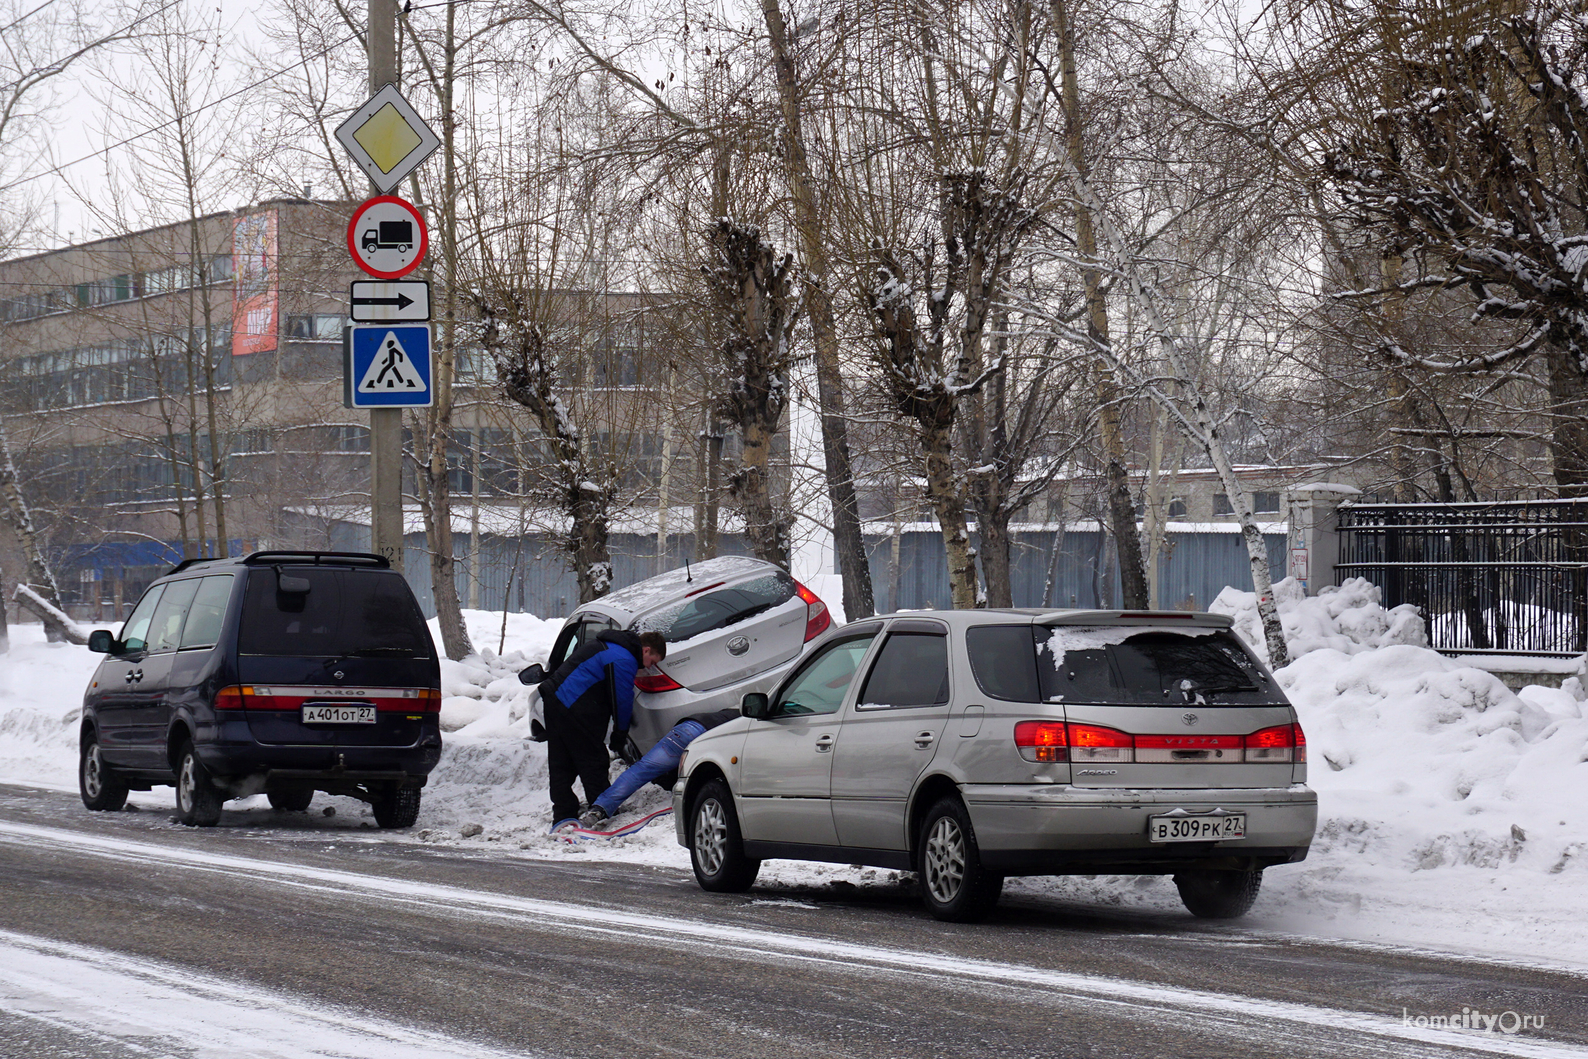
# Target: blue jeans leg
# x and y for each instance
(658, 761)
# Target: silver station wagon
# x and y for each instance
(971, 745)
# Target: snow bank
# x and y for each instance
(1451, 810)
(1349, 618)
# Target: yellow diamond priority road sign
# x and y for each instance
(387, 138)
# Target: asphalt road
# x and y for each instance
(414, 949)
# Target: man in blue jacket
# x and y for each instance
(593, 686)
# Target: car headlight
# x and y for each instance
(682, 759)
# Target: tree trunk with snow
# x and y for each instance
(752, 290)
(526, 369)
(1121, 505)
(434, 466)
(848, 543)
(927, 391)
(20, 518)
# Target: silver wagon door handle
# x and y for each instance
(924, 740)
(824, 743)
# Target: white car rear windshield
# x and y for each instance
(719, 608)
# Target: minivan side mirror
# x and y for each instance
(756, 705)
(533, 674)
(102, 642)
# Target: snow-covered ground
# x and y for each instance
(1453, 813)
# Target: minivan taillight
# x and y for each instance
(817, 617)
(1044, 741)
(1272, 745)
(1051, 741)
(1092, 742)
(654, 683)
(229, 698)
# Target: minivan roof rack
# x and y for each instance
(318, 558)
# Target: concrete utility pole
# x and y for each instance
(385, 424)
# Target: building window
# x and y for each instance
(320, 328)
(1177, 508)
(1265, 503)
(1222, 505)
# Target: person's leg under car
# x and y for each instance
(658, 761)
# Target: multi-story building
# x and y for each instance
(178, 391)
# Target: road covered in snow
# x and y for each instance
(136, 936)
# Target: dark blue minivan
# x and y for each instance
(280, 672)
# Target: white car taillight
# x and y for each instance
(817, 617)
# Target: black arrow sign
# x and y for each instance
(402, 301)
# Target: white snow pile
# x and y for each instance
(1349, 618)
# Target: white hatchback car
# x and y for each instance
(733, 625)
(974, 744)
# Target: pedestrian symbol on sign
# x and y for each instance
(391, 370)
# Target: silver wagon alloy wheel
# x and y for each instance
(945, 859)
(716, 849)
(711, 835)
(954, 884)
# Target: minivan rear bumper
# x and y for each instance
(1046, 829)
(241, 755)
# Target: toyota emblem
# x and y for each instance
(738, 645)
(1189, 718)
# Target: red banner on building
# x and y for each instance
(254, 301)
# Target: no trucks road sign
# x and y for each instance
(387, 237)
(387, 367)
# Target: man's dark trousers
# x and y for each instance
(576, 747)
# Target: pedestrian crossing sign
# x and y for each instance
(387, 367)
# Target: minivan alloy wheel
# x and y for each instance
(93, 772)
(198, 803)
(711, 835)
(716, 848)
(954, 885)
(945, 859)
(101, 789)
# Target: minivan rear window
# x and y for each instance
(345, 612)
(719, 609)
(1108, 665)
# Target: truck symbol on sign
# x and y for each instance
(389, 235)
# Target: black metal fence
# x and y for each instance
(1503, 577)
